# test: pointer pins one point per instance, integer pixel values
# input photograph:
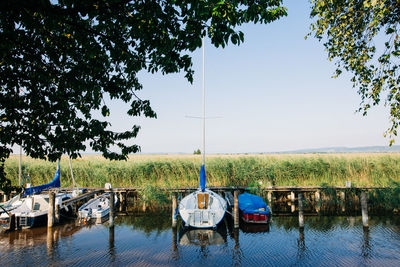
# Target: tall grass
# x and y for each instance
(366, 169)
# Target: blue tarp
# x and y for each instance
(40, 188)
(203, 178)
(249, 203)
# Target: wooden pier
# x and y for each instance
(293, 196)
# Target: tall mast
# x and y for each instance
(20, 167)
(204, 111)
(70, 167)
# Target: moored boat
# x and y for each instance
(253, 209)
(96, 208)
(33, 212)
(202, 208)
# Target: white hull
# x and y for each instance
(96, 208)
(206, 217)
(33, 210)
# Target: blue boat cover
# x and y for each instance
(203, 178)
(40, 188)
(249, 204)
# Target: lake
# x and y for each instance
(148, 240)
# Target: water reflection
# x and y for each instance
(111, 247)
(254, 228)
(149, 240)
(365, 246)
(301, 245)
(203, 237)
(236, 252)
(175, 251)
(38, 236)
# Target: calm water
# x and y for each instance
(148, 240)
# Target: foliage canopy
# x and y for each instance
(363, 38)
(60, 59)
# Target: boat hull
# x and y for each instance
(96, 208)
(255, 218)
(29, 221)
(208, 215)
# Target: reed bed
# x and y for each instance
(170, 171)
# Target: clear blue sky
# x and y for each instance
(274, 93)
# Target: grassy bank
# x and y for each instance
(364, 169)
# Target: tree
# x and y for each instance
(197, 152)
(363, 38)
(59, 59)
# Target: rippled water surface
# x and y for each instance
(148, 240)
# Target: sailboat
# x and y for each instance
(32, 210)
(202, 208)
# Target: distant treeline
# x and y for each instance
(362, 169)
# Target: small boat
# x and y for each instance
(253, 209)
(96, 208)
(34, 209)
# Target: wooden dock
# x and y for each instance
(293, 195)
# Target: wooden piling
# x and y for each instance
(111, 219)
(270, 200)
(144, 207)
(343, 200)
(236, 209)
(292, 199)
(301, 212)
(317, 196)
(174, 210)
(364, 209)
(317, 199)
(50, 215)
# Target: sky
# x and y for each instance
(272, 93)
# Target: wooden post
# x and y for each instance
(144, 208)
(270, 200)
(364, 209)
(121, 198)
(317, 199)
(111, 219)
(343, 200)
(236, 209)
(174, 210)
(317, 196)
(292, 198)
(50, 215)
(301, 212)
